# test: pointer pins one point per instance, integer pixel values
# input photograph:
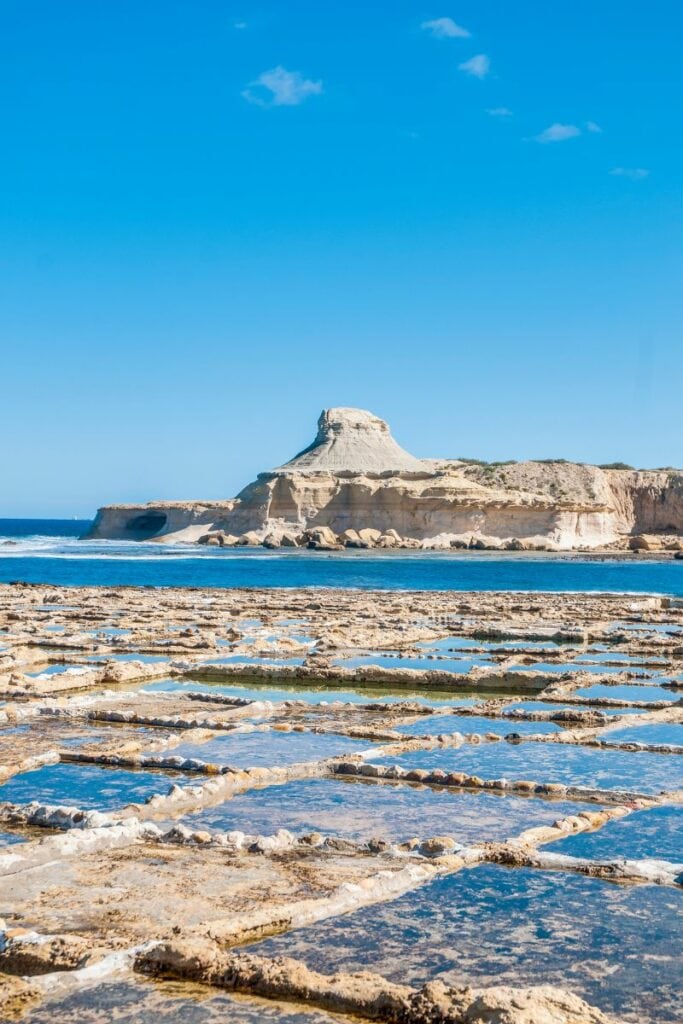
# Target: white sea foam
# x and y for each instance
(44, 546)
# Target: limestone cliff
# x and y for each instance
(355, 485)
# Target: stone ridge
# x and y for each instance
(355, 441)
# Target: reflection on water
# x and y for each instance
(434, 724)
(658, 732)
(50, 552)
(626, 692)
(551, 762)
(88, 786)
(540, 705)
(11, 838)
(133, 1000)
(267, 749)
(459, 666)
(617, 947)
(362, 810)
(656, 832)
(323, 694)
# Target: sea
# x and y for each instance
(51, 551)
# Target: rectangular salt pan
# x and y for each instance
(431, 725)
(459, 666)
(561, 667)
(627, 692)
(131, 1000)
(361, 810)
(617, 947)
(539, 705)
(568, 764)
(88, 786)
(311, 695)
(267, 749)
(655, 833)
(658, 732)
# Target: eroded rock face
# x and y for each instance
(364, 993)
(355, 482)
(352, 441)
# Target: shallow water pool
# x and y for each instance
(658, 732)
(459, 666)
(133, 1000)
(358, 809)
(146, 659)
(267, 749)
(626, 692)
(89, 786)
(431, 725)
(312, 695)
(57, 670)
(571, 765)
(242, 659)
(11, 839)
(617, 947)
(656, 832)
(540, 705)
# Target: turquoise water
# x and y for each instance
(616, 946)
(657, 832)
(363, 810)
(48, 551)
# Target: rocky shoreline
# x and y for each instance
(355, 488)
(322, 538)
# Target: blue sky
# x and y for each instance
(217, 218)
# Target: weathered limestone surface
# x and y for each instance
(102, 878)
(368, 994)
(355, 482)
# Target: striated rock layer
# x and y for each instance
(355, 486)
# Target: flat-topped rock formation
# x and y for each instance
(354, 486)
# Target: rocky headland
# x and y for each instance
(355, 487)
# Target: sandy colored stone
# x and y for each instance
(356, 481)
(17, 997)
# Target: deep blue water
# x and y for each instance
(43, 527)
(49, 551)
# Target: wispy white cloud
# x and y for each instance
(499, 111)
(279, 87)
(558, 132)
(478, 66)
(633, 173)
(239, 24)
(445, 28)
(591, 126)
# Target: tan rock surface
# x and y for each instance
(354, 479)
